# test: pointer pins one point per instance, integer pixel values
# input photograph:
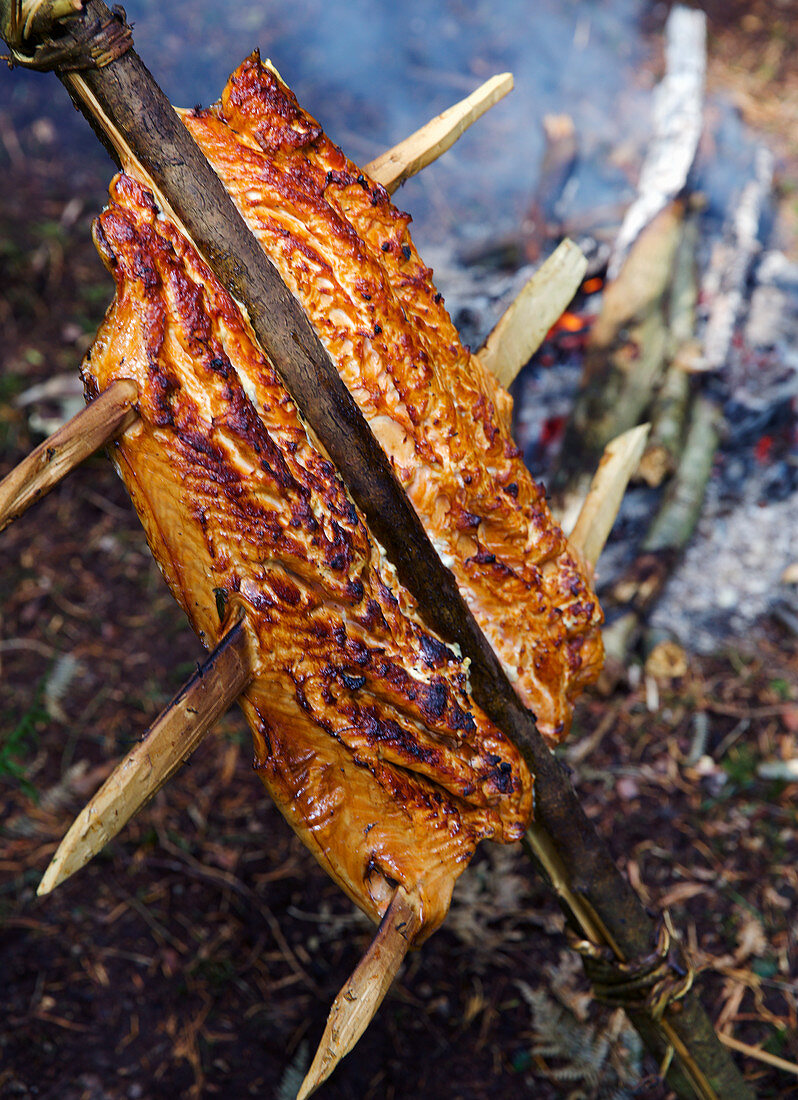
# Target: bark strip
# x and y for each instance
(126, 93)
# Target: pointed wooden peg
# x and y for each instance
(167, 744)
(97, 424)
(407, 158)
(601, 505)
(523, 327)
(358, 1001)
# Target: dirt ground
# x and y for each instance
(198, 955)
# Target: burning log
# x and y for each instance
(129, 110)
(624, 359)
(629, 342)
(676, 520)
(667, 427)
(669, 410)
(677, 119)
(731, 261)
(668, 534)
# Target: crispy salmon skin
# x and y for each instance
(345, 252)
(365, 734)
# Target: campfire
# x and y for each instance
(644, 353)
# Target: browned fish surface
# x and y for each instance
(364, 731)
(345, 252)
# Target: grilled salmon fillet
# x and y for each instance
(345, 252)
(365, 734)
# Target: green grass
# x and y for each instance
(781, 688)
(21, 742)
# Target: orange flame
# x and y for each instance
(570, 322)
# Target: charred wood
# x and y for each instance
(731, 262)
(677, 121)
(669, 411)
(668, 535)
(625, 356)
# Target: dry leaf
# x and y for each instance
(682, 892)
(666, 661)
(751, 939)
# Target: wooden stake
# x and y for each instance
(603, 500)
(167, 744)
(407, 158)
(355, 1006)
(523, 327)
(106, 417)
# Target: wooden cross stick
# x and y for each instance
(523, 326)
(594, 522)
(361, 996)
(401, 162)
(100, 422)
(165, 747)
(127, 106)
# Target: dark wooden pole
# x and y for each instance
(136, 121)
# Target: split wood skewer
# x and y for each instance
(393, 167)
(600, 508)
(94, 426)
(166, 746)
(125, 105)
(354, 1007)
(523, 327)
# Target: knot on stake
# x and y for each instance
(651, 983)
(48, 34)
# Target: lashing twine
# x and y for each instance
(652, 983)
(44, 35)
